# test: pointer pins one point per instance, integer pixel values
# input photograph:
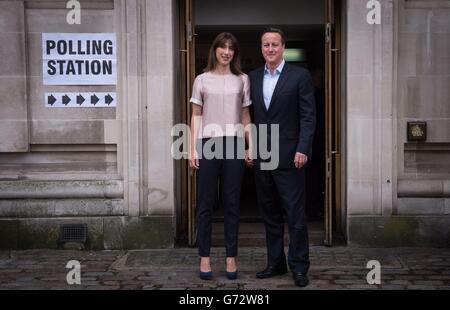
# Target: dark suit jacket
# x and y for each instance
(292, 108)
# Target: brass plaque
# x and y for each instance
(417, 131)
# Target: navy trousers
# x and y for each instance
(290, 185)
(230, 171)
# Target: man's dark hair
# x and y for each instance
(275, 30)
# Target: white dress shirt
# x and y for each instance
(270, 82)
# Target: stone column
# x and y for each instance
(160, 57)
(130, 87)
(370, 116)
(14, 129)
(147, 88)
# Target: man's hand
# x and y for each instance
(300, 160)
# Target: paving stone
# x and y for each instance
(399, 282)
(421, 287)
(148, 287)
(429, 282)
(95, 274)
(331, 268)
(110, 282)
(425, 272)
(362, 287)
(447, 278)
(130, 287)
(392, 287)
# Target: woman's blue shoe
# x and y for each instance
(232, 275)
(206, 275)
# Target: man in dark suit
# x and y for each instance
(283, 95)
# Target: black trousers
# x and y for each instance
(290, 185)
(230, 172)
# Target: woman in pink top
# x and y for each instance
(220, 111)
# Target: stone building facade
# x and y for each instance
(110, 168)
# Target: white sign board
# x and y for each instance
(79, 58)
(80, 100)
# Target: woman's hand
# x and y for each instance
(248, 159)
(193, 160)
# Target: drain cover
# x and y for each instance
(73, 233)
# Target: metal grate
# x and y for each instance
(73, 233)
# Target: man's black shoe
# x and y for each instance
(271, 271)
(300, 279)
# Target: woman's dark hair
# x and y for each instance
(220, 41)
(275, 30)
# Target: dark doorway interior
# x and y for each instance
(307, 44)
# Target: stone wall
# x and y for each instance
(109, 168)
(397, 191)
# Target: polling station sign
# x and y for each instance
(79, 58)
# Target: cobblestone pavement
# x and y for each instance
(331, 268)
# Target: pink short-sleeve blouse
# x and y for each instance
(222, 98)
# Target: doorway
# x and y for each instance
(314, 43)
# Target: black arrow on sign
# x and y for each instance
(80, 99)
(51, 100)
(108, 99)
(66, 99)
(94, 99)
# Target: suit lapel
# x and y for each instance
(280, 83)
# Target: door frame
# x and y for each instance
(186, 228)
(334, 220)
(333, 120)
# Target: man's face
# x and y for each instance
(272, 48)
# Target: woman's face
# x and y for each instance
(224, 55)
